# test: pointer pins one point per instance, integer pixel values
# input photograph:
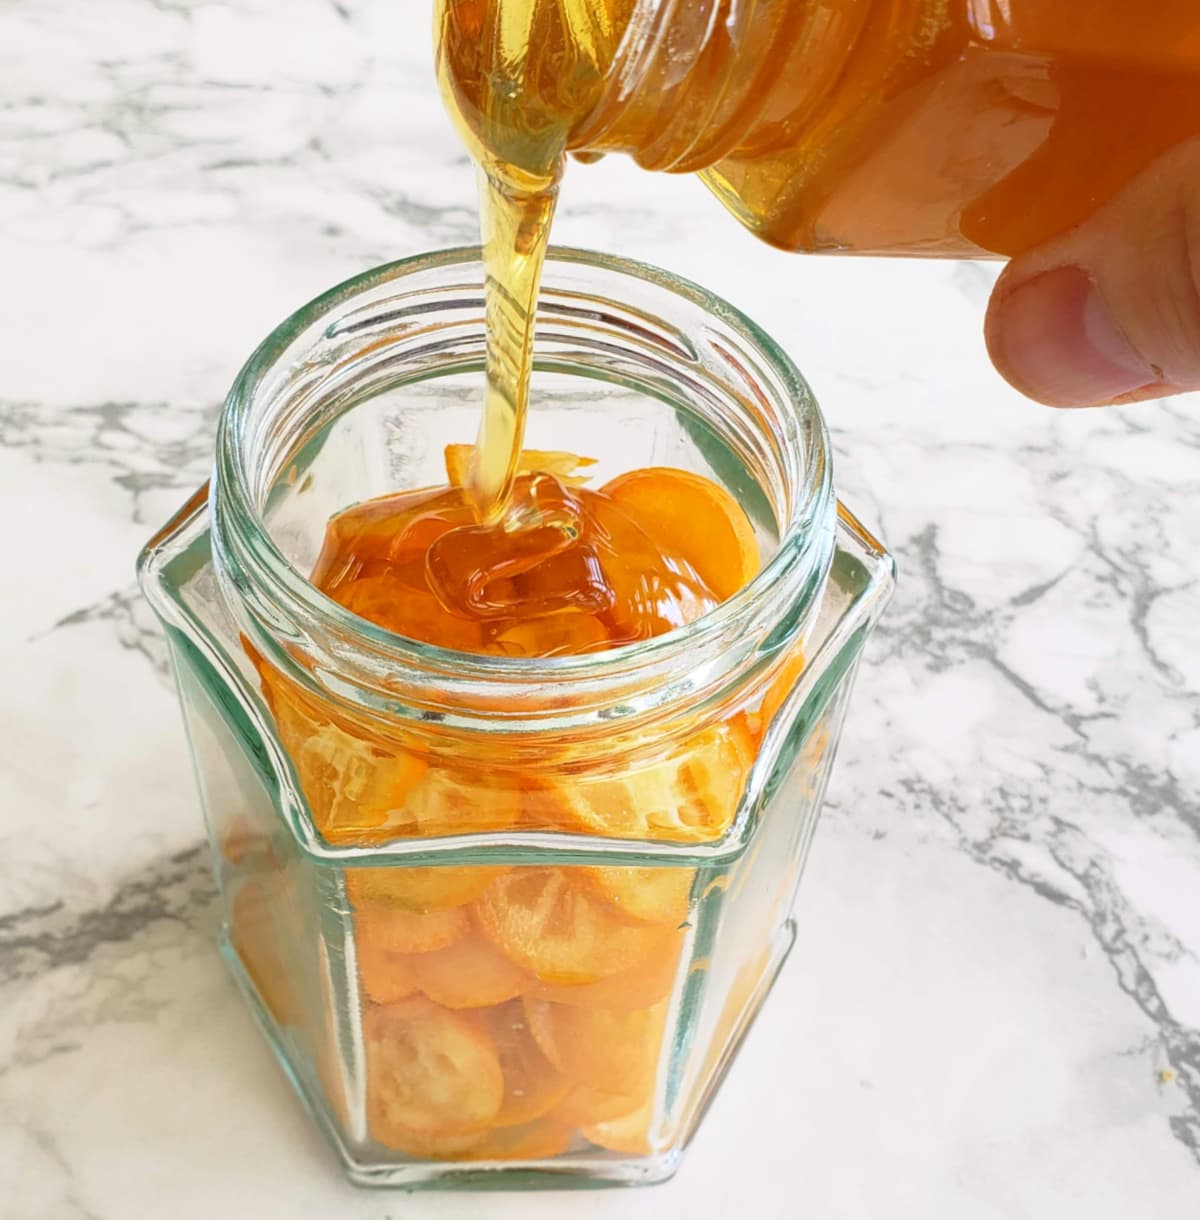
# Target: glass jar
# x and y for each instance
(947, 127)
(505, 919)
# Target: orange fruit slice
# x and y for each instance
(645, 984)
(412, 613)
(370, 533)
(386, 977)
(418, 889)
(381, 796)
(566, 633)
(564, 466)
(536, 1141)
(532, 1085)
(546, 925)
(451, 801)
(364, 789)
(782, 685)
(353, 787)
(262, 947)
(422, 1145)
(628, 1133)
(645, 895)
(691, 797)
(351, 780)
(695, 518)
(470, 973)
(584, 1105)
(607, 1049)
(395, 930)
(428, 1071)
(244, 843)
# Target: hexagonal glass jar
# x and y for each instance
(505, 921)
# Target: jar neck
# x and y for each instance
(697, 80)
(604, 319)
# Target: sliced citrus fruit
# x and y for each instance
(550, 927)
(470, 973)
(782, 685)
(418, 889)
(584, 1104)
(395, 930)
(363, 788)
(262, 947)
(375, 796)
(566, 633)
(370, 533)
(628, 1133)
(691, 516)
(641, 986)
(602, 1047)
(244, 843)
(532, 1084)
(451, 800)
(645, 895)
(423, 1145)
(564, 466)
(386, 977)
(429, 1071)
(413, 613)
(534, 1141)
(351, 779)
(354, 788)
(652, 589)
(687, 798)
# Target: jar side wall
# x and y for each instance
(746, 928)
(178, 577)
(279, 917)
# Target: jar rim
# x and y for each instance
(361, 662)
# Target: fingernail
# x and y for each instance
(1055, 340)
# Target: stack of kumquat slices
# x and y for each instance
(502, 1026)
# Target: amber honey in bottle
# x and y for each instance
(935, 127)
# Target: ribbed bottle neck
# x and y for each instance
(694, 81)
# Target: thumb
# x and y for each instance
(1109, 311)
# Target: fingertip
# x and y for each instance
(1051, 336)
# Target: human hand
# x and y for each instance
(1109, 311)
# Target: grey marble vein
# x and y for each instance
(42, 938)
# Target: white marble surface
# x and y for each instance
(994, 1006)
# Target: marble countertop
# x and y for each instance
(993, 1009)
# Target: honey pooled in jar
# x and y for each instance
(568, 570)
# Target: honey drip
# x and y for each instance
(515, 75)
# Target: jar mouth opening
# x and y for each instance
(359, 661)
